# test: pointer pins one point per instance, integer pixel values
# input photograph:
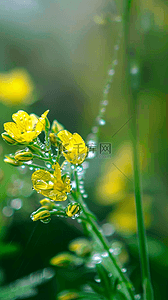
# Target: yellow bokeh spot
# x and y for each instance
(124, 216)
(16, 87)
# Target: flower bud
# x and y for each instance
(8, 139)
(12, 161)
(53, 139)
(40, 215)
(23, 155)
(73, 210)
(56, 127)
(65, 259)
(46, 203)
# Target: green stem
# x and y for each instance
(117, 273)
(134, 85)
(147, 286)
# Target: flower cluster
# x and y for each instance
(51, 180)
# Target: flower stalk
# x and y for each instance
(126, 286)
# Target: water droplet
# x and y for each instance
(95, 129)
(124, 270)
(97, 279)
(79, 220)
(115, 62)
(97, 258)
(23, 167)
(46, 154)
(111, 72)
(116, 47)
(82, 191)
(85, 195)
(105, 254)
(79, 168)
(31, 168)
(102, 122)
(111, 250)
(105, 102)
(118, 19)
(137, 297)
(48, 165)
(72, 167)
(90, 265)
(46, 221)
(103, 110)
(134, 70)
(110, 274)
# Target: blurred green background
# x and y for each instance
(55, 55)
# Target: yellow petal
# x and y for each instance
(34, 120)
(42, 185)
(42, 175)
(22, 120)
(57, 171)
(12, 129)
(41, 123)
(64, 136)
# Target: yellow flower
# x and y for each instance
(56, 126)
(16, 87)
(25, 128)
(74, 148)
(124, 216)
(53, 186)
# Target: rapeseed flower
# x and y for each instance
(16, 87)
(74, 148)
(25, 128)
(53, 186)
